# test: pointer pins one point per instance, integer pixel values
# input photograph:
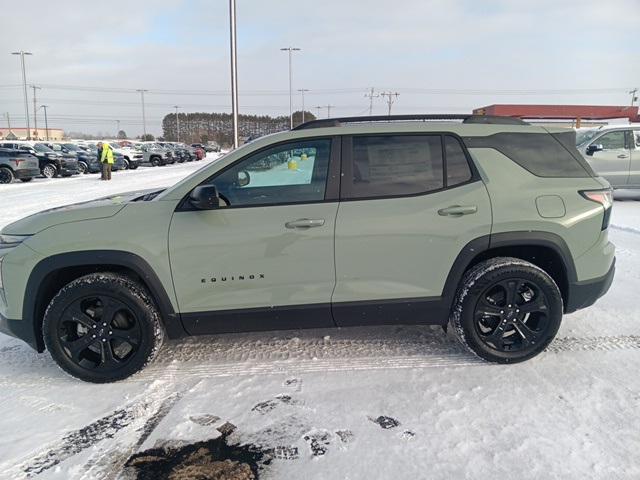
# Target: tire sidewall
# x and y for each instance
(6, 175)
(478, 280)
(126, 291)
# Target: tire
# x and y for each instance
(126, 165)
(49, 171)
(25, 180)
(6, 175)
(506, 310)
(96, 349)
(83, 168)
(133, 166)
(155, 162)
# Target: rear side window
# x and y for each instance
(542, 154)
(458, 170)
(394, 165)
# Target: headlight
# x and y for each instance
(10, 241)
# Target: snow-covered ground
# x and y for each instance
(359, 403)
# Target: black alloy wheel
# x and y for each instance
(102, 327)
(6, 175)
(512, 315)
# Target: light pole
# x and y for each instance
(46, 123)
(24, 87)
(234, 71)
(35, 116)
(8, 121)
(290, 50)
(117, 128)
(144, 119)
(319, 108)
(302, 90)
(177, 123)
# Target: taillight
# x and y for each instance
(17, 161)
(604, 198)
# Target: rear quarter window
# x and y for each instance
(542, 154)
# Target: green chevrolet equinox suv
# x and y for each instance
(487, 224)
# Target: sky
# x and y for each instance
(444, 56)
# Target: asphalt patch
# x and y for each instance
(385, 422)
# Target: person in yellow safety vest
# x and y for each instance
(107, 161)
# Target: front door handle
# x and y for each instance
(458, 210)
(305, 223)
(623, 155)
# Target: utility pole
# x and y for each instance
(35, 116)
(633, 96)
(290, 50)
(8, 121)
(329, 107)
(371, 96)
(144, 119)
(24, 87)
(391, 98)
(302, 90)
(117, 128)
(234, 71)
(46, 122)
(177, 122)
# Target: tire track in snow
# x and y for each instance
(140, 414)
(198, 367)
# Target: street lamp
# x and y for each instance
(302, 90)
(290, 50)
(24, 86)
(177, 122)
(144, 119)
(234, 71)
(46, 122)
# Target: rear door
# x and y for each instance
(614, 160)
(409, 205)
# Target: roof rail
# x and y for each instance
(468, 118)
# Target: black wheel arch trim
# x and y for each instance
(35, 290)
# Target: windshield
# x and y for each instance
(584, 136)
(40, 147)
(72, 147)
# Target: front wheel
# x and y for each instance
(6, 175)
(83, 168)
(102, 327)
(49, 171)
(506, 310)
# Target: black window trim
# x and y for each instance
(332, 187)
(347, 164)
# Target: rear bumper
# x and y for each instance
(27, 173)
(584, 294)
(19, 329)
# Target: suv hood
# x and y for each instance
(77, 212)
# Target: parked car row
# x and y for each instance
(24, 160)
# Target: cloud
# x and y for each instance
(407, 45)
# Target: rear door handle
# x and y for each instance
(305, 223)
(457, 210)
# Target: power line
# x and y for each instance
(391, 98)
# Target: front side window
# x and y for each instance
(611, 140)
(294, 172)
(394, 165)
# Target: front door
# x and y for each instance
(265, 258)
(403, 220)
(613, 161)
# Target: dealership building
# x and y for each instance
(39, 134)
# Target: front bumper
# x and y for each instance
(27, 173)
(584, 294)
(21, 330)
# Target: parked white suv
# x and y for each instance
(613, 151)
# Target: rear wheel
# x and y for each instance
(83, 168)
(507, 310)
(155, 161)
(102, 327)
(6, 175)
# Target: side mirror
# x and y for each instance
(594, 147)
(243, 178)
(205, 197)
